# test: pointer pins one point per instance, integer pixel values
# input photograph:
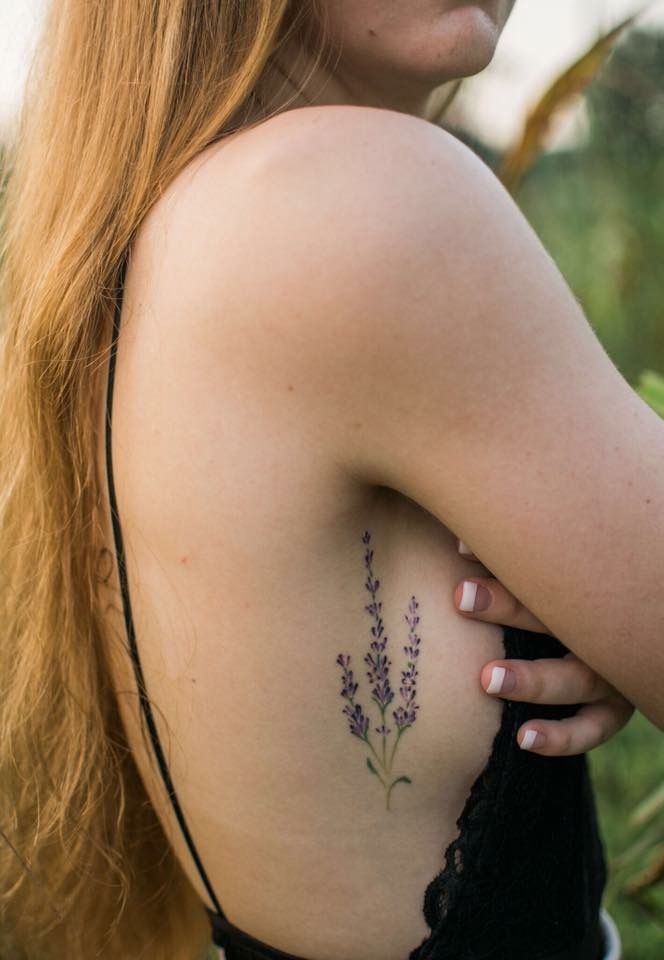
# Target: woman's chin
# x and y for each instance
(468, 38)
(462, 43)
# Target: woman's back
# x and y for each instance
(262, 572)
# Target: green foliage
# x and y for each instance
(607, 236)
(626, 104)
(565, 88)
(651, 388)
(628, 774)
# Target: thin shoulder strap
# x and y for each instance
(126, 605)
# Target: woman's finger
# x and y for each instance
(485, 598)
(547, 680)
(593, 724)
(465, 551)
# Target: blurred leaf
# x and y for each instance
(652, 874)
(651, 388)
(441, 100)
(637, 849)
(520, 157)
(648, 808)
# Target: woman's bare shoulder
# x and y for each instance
(315, 192)
(438, 351)
(341, 151)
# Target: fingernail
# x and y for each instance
(503, 680)
(532, 738)
(464, 548)
(474, 597)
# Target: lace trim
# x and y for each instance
(472, 898)
(441, 892)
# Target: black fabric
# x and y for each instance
(525, 876)
(239, 945)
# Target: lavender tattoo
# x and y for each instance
(378, 662)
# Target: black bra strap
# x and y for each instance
(239, 945)
(126, 605)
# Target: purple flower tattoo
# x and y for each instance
(379, 663)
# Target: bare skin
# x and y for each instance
(393, 56)
(265, 419)
(372, 31)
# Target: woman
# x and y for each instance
(342, 349)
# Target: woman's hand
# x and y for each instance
(558, 680)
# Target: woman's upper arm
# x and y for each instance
(431, 335)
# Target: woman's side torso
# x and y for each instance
(251, 560)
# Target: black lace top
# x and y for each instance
(525, 876)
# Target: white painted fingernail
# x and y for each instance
(497, 677)
(464, 548)
(529, 739)
(468, 595)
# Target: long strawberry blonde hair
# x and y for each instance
(121, 95)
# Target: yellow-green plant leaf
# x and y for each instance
(636, 850)
(648, 808)
(651, 388)
(520, 157)
(653, 873)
